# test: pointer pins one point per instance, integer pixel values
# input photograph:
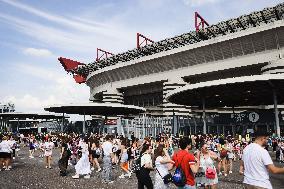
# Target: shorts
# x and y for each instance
(124, 165)
(47, 153)
(5, 155)
(94, 154)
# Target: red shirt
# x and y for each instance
(185, 159)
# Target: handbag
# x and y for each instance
(167, 178)
(210, 173)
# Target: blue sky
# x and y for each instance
(34, 33)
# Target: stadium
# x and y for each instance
(249, 45)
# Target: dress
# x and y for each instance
(83, 166)
(200, 176)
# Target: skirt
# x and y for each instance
(5, 155)
(83, 166)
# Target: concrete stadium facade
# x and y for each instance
(248, 45)
(145, 81)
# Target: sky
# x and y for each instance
(34, 33)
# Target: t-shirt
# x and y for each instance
(48, 146)
(146, 158)
(162, 168)
(185, 159)
(107, 148)
(5, 146)
(255, 160)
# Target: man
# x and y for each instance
(188, 162)
(256, 162)
(107, 159)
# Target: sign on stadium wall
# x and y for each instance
(111, 122)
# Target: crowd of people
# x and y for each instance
(187, 161)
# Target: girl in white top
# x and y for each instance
(161, 162)
(48, 146)
(5, 153)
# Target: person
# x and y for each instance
(5, 153)
(206, 158)
(83, 166)
(64, 157)
(48, 146)
(256, 162)
(107, 160)
(96, 152)
(143, 176)
(32, 146)
(162, 159)
(189, 164)
(124, 164)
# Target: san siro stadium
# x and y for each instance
(249, 45)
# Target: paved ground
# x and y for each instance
(31, 174)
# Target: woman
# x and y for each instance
(162, 159)
(207, 174)
(231, 156)
(48, 146)
(64, 157)
(32, 146)
(143, 176)
(83, 165)
(96, 152)
(5, 153)
(124, 163)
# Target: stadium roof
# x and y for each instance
(243, 22)
(20, 115)
(96, 109)
(240, 91)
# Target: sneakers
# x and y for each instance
(220, 174)
(225, 174)
(128, 175)
(46, 167)
(99, 170)
(230, 172)
(121, 177)
(75, 176)
(9, 167)
(92, 168)
(110, 182)
(87, 176)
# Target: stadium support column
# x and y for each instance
(62, 126)
(84, 124)
(276, 112)
(169, 108)
(204, 116)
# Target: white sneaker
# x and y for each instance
(225, 175)
(87, 176)
(99, 170)
(92, 168)
(230, 172)
(110, 182)
(121, 177)
(14, 158)
(9, 167)
(220, 174)
(75, 176)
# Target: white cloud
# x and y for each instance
(37, 52)
(197, 3)
(94, 26)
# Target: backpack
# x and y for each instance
(136, 165)
(179, 178)
(223, 153)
